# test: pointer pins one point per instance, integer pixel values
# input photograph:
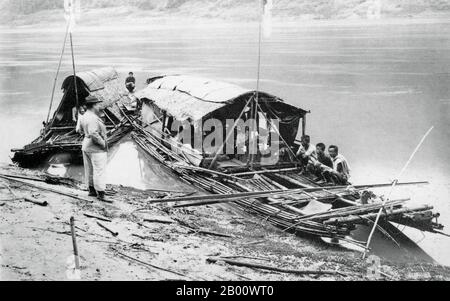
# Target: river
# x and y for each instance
(372, 89)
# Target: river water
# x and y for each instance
(372, 89)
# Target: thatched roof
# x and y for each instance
(192, 98)
(102, 83)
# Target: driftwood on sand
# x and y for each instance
(275, 269)
(65, 193)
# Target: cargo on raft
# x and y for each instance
(279, 190)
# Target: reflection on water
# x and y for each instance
(372, 90)
(127, 165)
(130, 166)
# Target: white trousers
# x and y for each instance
(94, 169)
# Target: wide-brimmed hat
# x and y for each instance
(92, 99)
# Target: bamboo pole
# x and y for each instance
(57, 73)
(97, 217)
(260, 194)
(357, 209)
(147, 264)
(275, 269)
(210, 171)
(74, 243)
(34, 201)
(352, 218)
(394, 183)
(114, 233)
(77, 102)
(69, 194)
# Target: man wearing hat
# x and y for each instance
(94, 147)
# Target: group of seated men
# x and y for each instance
(330, 167)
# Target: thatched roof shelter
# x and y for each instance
(187, 97)
(102, 83)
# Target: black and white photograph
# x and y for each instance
(234, 142)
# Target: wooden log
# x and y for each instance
(207, 232)
(24, 177)
(69, 194)
(159, 220)
(275, 269)
(357, 209)
(114, 233)
(147, 263)
(10, 199)
(97, 217)
(354, 219)
(35, 201)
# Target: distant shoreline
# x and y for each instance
(57, 22)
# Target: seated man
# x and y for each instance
(320, 163)
(340, 173)
(323, 157)
(306, 150)
(130, 82)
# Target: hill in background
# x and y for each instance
(36, 11)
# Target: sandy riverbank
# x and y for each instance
(35, 243)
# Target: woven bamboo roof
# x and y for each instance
(187, 97)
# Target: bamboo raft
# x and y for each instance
(59, 135)
(278, 193)
(295, 208)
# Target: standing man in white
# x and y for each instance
(94, 148)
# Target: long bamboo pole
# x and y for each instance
(74, 75)
(394, 183)
(254, 140)
(57, 72)
(269, 192)
(276, 269)
(69, 194)
(353, 219)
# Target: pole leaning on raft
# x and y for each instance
(57, 73)
(254, 107)
(394, 183)
(74, 75)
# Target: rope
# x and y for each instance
(394, 183)
(57, 72)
